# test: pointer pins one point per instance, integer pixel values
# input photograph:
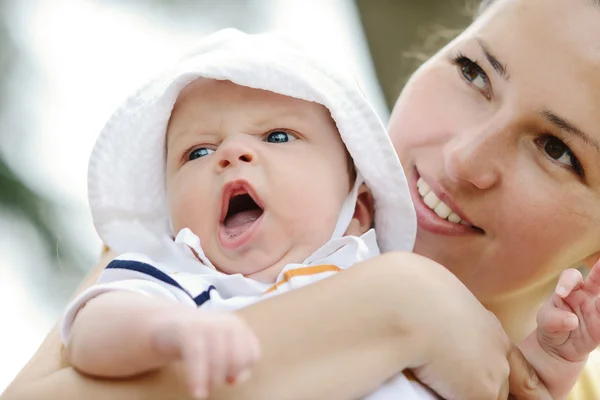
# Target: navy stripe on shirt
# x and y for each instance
(204, 296)
(147, 269)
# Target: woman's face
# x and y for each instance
(503, 125)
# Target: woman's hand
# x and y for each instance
(465, 353)
(525, 383)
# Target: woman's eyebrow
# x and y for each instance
(499, 67)
(569, 127)
(550, 116)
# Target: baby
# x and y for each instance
(250, 169)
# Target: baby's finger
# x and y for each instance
(592, 280)
(553, 320)
(254, 346)
(239, 355)
(218, 356)
(569, 280)
(196, 367)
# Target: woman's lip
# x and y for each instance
(428, 220)
(443, 196)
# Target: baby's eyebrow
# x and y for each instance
(172, 136)
(279, 113)
(176, 136)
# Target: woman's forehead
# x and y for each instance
(549, 27)
(548, 52)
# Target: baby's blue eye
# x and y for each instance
(199, 152)
(279, 137)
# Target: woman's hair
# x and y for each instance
(483, 4)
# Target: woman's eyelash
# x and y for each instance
(473, 73)
(461, 59)
(577, 167)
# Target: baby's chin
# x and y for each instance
(260, 267)
(263, 270)
(268, 274)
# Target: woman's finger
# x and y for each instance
(524, 381)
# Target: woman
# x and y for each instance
(501, 125)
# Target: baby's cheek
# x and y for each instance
(184, 210)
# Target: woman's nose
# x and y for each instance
(475, 158)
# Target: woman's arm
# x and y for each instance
(338, 338)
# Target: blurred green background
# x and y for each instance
(65, 64)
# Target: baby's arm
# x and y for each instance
(114, 334)
(568, 330)
(122, 334)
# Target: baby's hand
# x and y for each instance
(214, 348)
(569, 323)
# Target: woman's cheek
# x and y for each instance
(430, 109)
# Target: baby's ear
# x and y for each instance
(362, 220)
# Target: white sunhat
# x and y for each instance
(126, 177)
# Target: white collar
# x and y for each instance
(341, 251)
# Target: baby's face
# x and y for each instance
(258, 176)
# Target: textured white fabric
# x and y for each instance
(401, 388)
(126, 182)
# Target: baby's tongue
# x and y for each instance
(242, 219)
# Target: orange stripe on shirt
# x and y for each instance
(316, 269)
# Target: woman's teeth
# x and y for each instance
(439, 207)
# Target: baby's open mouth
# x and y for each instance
(242, 210)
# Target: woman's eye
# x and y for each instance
(473, 73)
(199, 152)
(279, 137)
(558, 150)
